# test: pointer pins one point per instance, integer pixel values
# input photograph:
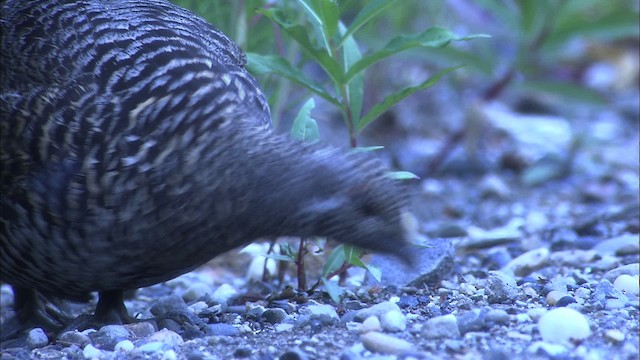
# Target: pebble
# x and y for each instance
(224, 293)
(386, 344)
(393, 321)
(141, 329)
(536, 313)
(627, 284)
(283, 327)
(445, 326)
(550, 350)
(565, 301)
(528, 262)
(154, 346)
(37, 338)
(74, 337)
(108, 336)
(501, 288)
(605, 292)
(629, 269)
(376, 310)
(626, 244)
(498, 316)
(370, 324)
(275, 315)
(614, 335)
(563, 324)
(196, 291)
(222, 329)
(90, 352)
(168, 337)
(554, 295)
(124, 346)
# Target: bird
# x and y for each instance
(135, 147)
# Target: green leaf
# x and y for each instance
(329, 15)
(304, 127)
(301, 35)
(279, 257)
(362, 149)
(355, 87)
(375, 272)
(333, 289)
(352, 254)
(334, 261)
(433, 37)
(396, 97)
(265, 64)
(402, 175)
(371, 10)
(565, 91)
(609, 27)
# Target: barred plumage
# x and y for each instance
(135, 147)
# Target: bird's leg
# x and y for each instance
(111, 309)
(32, 310)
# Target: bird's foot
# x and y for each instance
(32, 309)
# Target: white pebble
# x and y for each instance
(385, 344)
(627, 284)
(554, 295)
(369, 324)
(393, 321)
(223, 293)
(169, 355)
(90, 352)
(563, 324)
(124, 346)
(614, 335)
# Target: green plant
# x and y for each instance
(328, 42)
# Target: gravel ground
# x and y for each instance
(559, 280)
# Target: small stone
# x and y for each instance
(168, 337)
(371, 323)
(528, 262)
(614, 335)
(501, 288)
(124, 346)
(37, 338)
(562, 325)
(224, 293)
(283, 327)
(627, 284)
(140, 329)
(622, 245)
(90, 352)
(196, 291)
(536, 313)
(243, 352)
(605, 292)
(376, 310)
(198, 307)
(169, 355)
(393, 321)
(565, 301)
(222, 329)
(275, 315)
(629, 269)
(153, 347)
(385, 344)
(445, 326)
(498, 316)
(74, 337)
(473, 320)
(108, 336)
(547, 349)
(555, 295)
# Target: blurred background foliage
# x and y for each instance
(537, 46)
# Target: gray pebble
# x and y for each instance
(393, 321)
(109, 335)
(445, 326)
(74, 337)
(376, 310)
(221, 329)
(626, 244)
(473, 320)
(276, 315)
(498, 316)
(385, 344)
(37, 338)
(501, 288)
